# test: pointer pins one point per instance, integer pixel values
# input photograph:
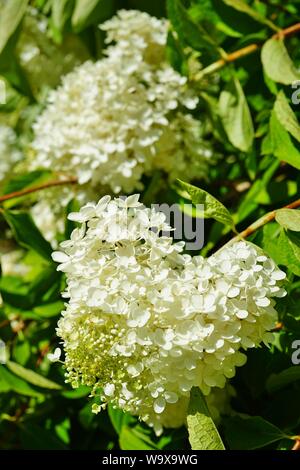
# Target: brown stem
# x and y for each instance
(49, 184)
(233, 56)
(264, 220)
(4, 323)
(297, 444)
(278, 327)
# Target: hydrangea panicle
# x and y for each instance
(145, 322)
(115, 120)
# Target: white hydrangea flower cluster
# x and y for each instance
(112, 121)
(145, 322)
(127, 115)
(9, 154)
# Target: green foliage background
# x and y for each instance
(256, 133)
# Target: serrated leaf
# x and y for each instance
(27, 234)
(282, 379)
(281, 143)
(277, 63)
(32, 377)
(188, 30)
(289, 219)
(203, 434)
(213, 209)
(286, 116)
(235, 116)
(11, 15)
(250, 433)
(243, 7)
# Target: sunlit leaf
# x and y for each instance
(277, 63)
(203, 434)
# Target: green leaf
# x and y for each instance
(207, 13)
(285, 249)
(188, 30)
(243, 7)
(119, 418)
(43, 283)
(17, 385)
(11, 15)
(250, 433)
(4, 384)
(277, 62)
(21, 352)
(213, 209)
(236, 117)
(175, 54)
(289, 219)
(88, 12)
(32, 377)
(294, 242)
(282, 379)
(281, 144)
(203, 434)
(286, 116)
(77, 393)
(49, 310)
(25, 180)
(15, 292)
(27, 233)
(61, 12)
(133, 438)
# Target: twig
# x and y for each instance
(220, 63)
(297, 443)
(278, 327)
(264, 220)
(49, 184)
(258, 224)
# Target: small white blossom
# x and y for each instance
(146, 323)
(54, 357)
